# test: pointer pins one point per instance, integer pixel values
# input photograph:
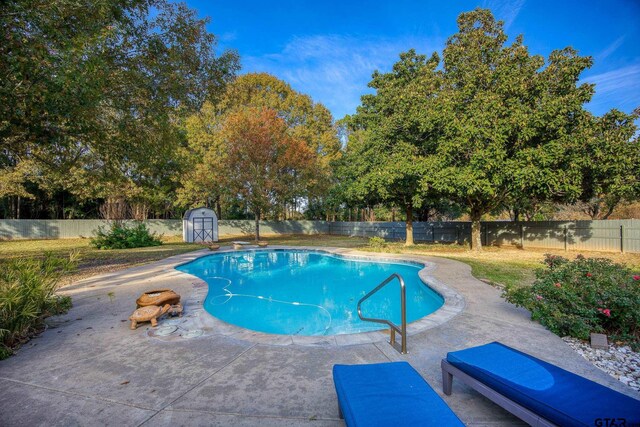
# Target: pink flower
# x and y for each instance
(539, 297)
(557, 285)
(605, 311)
(589, 274)
(636, 277)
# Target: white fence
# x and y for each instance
(611, 236)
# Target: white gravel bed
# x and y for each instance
(619, 361)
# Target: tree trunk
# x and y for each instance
(476, 237)
(409, 226)
(257, 225)
(218, 208)
(610, 209)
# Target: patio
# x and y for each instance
(89, 368)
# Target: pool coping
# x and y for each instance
(199, 319)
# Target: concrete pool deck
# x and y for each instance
(89, 368)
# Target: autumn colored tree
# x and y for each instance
(307, 120)
(265, 162)
(204, 155)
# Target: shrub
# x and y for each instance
(119, 236)
(27, 297)
(582, 296)
(377, 242)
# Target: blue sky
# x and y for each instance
(328, 49)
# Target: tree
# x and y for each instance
(95, 91)
(203, 181)
(509, 124)
(265, 162)
(610, 159)
(307, 120)
(384, 159)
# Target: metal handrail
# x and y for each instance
(393, 328)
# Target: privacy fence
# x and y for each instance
(611, 236)
(74, 228)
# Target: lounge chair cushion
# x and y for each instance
(389, 394)
(557, 395)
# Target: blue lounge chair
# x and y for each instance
(388, 394)
(537, 392)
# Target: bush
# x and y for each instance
(377, 243)
(582, 296)
(119, 236)
(27, 297)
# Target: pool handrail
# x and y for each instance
(393, 328)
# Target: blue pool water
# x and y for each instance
(297, 292)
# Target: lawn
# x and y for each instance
(94, 261)
(503, 266)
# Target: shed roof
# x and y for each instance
(189, 213)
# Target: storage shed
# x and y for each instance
(200, 225)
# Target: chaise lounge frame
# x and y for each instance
(449, 371)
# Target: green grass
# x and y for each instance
(506, 266)
(93, 261)
(505, 273)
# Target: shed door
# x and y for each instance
(202, 229)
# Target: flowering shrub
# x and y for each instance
(582, 296)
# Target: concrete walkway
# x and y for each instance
(89, 368)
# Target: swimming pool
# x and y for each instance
(301, 292)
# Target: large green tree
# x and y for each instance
(610, 160)
(510, 123)
(94, 91)
(392, 131)
(203, 181)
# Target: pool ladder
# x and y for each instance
(393, 328)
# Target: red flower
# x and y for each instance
(557, 285)
(589, 274)
(606, 311)
(636, 277)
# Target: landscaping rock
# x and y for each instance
(620, 362)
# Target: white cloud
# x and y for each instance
(335, 69)
(616, 89)
(505, 10)
(229, 36)
(610, 49)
